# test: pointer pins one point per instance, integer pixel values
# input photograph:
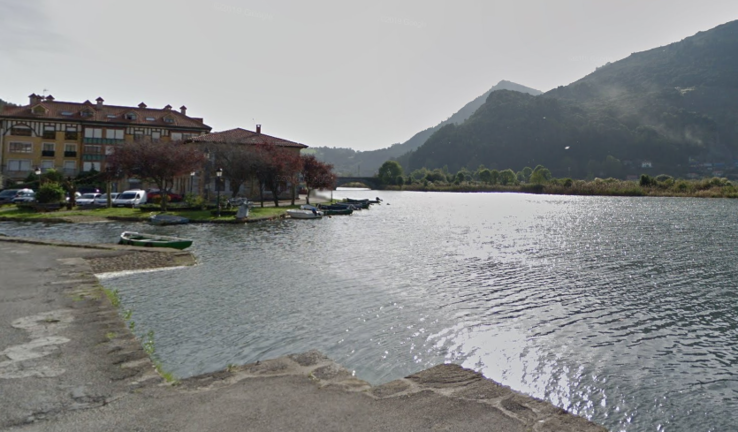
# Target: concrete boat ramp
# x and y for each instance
(68, 362)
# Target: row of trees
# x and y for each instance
(272, 166)
(391, 173)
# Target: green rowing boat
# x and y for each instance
(152, 240)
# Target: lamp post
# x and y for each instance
(38, 175)
(218, 175)
(192, 181)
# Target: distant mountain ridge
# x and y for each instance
(674, 108)
(366, 163)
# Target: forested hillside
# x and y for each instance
(674, 108)
(351, 162)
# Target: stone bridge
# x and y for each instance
(370, 182)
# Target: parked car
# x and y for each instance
(130, 198)
(87, 199)
(22, 197)
(155, 194)
(102, 200)
(6, 196)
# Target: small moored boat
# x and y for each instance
(164, 219)
(152, 240)
(305, 214)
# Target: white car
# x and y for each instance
(130, 198)
(102, 200)
(87, 199)
(24, 197)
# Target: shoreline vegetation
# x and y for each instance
(540, 181)
(706, 188)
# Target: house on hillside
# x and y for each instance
(74, 137)
(238, 137)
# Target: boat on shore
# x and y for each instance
(153, 240)
(164, 219)
(305, 214)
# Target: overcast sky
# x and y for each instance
(337, 73)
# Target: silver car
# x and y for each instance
(102, 200)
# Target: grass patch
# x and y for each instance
(13, 212)
(113, 296)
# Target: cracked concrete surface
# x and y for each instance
(68, 362)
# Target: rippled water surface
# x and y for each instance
(622, 310)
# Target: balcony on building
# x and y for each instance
(70, 154)
(48, 153)
(109, 141)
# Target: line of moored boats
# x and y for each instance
(346, 207)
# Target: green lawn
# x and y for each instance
(11, 211)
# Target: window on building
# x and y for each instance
(93, 150)
(155, 136)
(93, 133)
(47, 164)
(168, 119)
(20, 147)
(89, 166)
(70, 165)
(112, 116)
(150, 119)
(176, 136)
(114, 134)
(186, 137)
(130, 116)
(19, 165)
(49, 132)
(71, 133)
(109, 150)
(21, 131)
(86, 113)
(48, 147)
(67, 113)
(70, 148)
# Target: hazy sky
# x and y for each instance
(362, 75)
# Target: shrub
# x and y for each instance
(50, 193)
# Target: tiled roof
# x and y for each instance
(90, 112)
(243, 136)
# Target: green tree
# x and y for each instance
(460, 176)
(540, 175)
(389, 171)
(508, 177)
(50, 193)
(495, 177)
(527, 171)
(485, 176)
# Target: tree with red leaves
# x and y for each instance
(157, 163)
(317, 174)
(276, 168)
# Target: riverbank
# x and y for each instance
(257, 214)
(705, 188)
(73, 364)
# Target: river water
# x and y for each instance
(622, 310)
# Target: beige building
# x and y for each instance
(73, 137)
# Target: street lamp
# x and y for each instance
(192, 180)
(218, 175)
(38, 174)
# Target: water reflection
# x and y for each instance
(619, 309)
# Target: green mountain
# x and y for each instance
(352, 162)
(673, 107)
